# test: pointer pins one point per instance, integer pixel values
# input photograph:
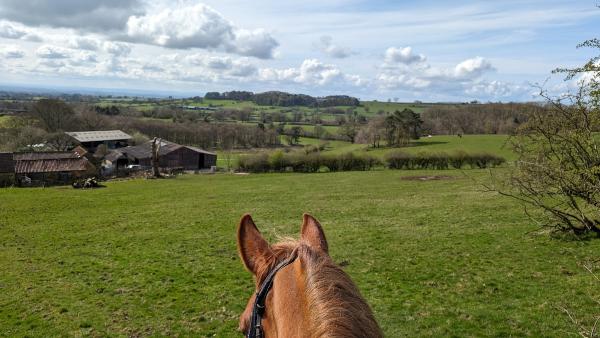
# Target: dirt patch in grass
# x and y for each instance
(428, 178)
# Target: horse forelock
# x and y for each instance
(335, 305)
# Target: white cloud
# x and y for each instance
(83, 58)
(326, 46)
(94, 15)
(116, 48)
(310, 72)
(11, 52)
(404, 55)
(472, 67)
(402, 69)
(496, 89)
(257, 43)
(85, 43)
(96, 44)
(223, 65)
(53, 52)
(13, 30)
(199, 26)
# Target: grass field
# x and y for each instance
(158, 258)
(495, 144)
(374, 106)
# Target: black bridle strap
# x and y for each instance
(255, 330)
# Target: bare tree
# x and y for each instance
(55, 115)
(59, 141)
(156, 142)
(89, 119)
(559, 159)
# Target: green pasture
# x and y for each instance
(495, 144)
(372, 107)
(157, 258)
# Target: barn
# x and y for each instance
(171, 156)
(7, 169)
(90, 140)
(51, 168)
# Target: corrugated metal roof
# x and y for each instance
(34, 156)
(56, 165)
(79, 150)
(100, 135)
(114, 155)
(7, 164)
(200, 150)
(145, 150)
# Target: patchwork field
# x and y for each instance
(495, 144)
(158, 258)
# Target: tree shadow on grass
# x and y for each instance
(422, 144)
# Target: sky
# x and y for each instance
(428, 50)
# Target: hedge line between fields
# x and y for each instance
(302, 162)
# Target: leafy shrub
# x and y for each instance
(279, 161)
(398, 160)
(441, 161)
(458, 159)
(302, 162)
(305, 163)
(356, 161)
(484, 160)
(257, 163)
(331, 162)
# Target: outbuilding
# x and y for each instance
(7, 169)
(51, 168)
(90, 140)
(171, 156)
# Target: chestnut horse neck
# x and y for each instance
(323, 295)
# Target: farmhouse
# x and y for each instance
(7, 169)
(171, 156)
(50, 168)
(90, 140)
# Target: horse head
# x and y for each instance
(300, 291)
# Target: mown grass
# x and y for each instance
(495, 144)
(158, 257)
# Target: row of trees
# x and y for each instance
(49, 119)
(283, 99)
(206, 135)
(490, 118)
(396, 129)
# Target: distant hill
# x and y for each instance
(283, 99)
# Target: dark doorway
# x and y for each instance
(201, 161)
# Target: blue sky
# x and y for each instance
(409, 50)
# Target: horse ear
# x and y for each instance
(254, 250)
(312, 232)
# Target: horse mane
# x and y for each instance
(335, 305)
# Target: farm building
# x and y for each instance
(51, 168)
(90, 140)
(7, 169)
(171, 156)
(114, 163)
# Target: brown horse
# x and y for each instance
(310, 295)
